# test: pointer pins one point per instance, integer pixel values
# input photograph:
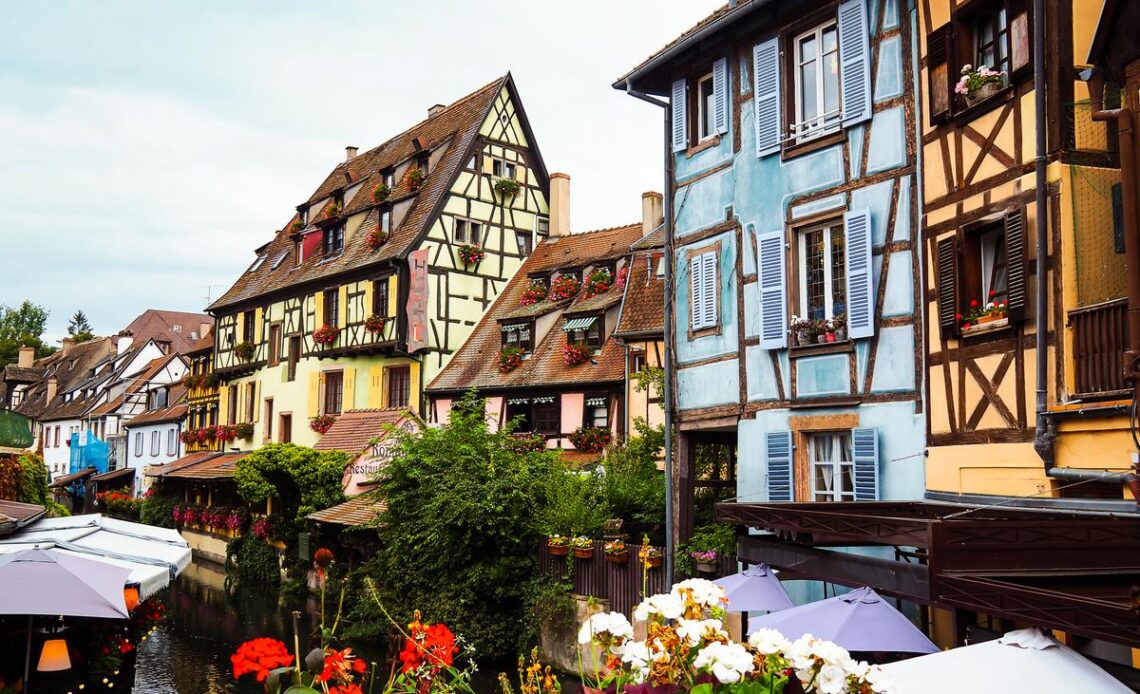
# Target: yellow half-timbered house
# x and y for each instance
(381, 274)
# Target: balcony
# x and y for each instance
(1100, 336)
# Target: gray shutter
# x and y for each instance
(1015, 261)
(778, 451)
(708, 290)
(854, 62)
(766, 69)
(865, 447)
(680, 117)
(720, 95)
(860, 274)
(695, 289)
(773, 296)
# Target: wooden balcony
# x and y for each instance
(1100, 336)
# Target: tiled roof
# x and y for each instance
(15, 515)
(136, 383)
(65, 480)
(183, 462)
(355, 512)
(70, 370)
(220, 466)
(454, 130)
(113, 474)
(23, 374)
(476, 363)
(353, 431)
(173, 413)
(643, 310)
(203, 344)
(654, 239)
(180, 328)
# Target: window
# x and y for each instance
(158, 398)
(467, 231)
(548, 415)
(638, 362)
(982, 264)
(294, 356)
(279, 259)
(155, 443)
(525, 243)
(596, 412)
(816, 82)
(991, 243)
(268, 419)
(501, 168)
(250, 401)
(520, 408)
(518, 335)
(588, 331)
(399, 386)
(706, 107)
(231, 411)
(334, 392)
(334, 240)
(823, 264)
(57, 436)
(386, 219)
(543, 226)
(991, 39)
(285, 428)
(389, 176)
(332, 307)
(138, 444)
(275, 344)
(832, 466)
(247, 326)
(171, 442)
(256, 263)
(703, 286)
(380, 297)
(298, 253)
(303, 214)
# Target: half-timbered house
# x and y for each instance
(796, 344)
(382, 273)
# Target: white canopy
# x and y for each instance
(154, 555)
(1021, 661)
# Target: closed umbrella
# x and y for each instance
(858, 621)
(754, 590)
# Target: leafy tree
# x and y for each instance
(25, 479)
(23, 325)
(300, 480)
(79, 328)
(458, 536)
(633, 488)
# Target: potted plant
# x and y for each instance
(471, 253)
(510, 358)
(839, 326)
(244, 350)
(414, 178)
(565, 287)
(558, 545)
(590, 439)
(297, 225)
(188, 437)
(326, 334)
(582, 547)
(332, 210)
(535, 292)
(209, 380)
(978, 84)
(616, 552)
(507, 187)
(322, 423)
(224, 433)
(244, 430)
(599, 282)
(574, 354)
(376, 238)
(705, 561)
(650, 556)
(381, 192)
(820, 329)
(801, 329)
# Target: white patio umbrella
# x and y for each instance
(1021, 661)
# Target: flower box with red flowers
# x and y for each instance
(326, 334)
(526, 443)
(224, 433)
(376, 238)
(565, 287)
(471, 253)
(599, 282)
(375, 323)
(381, 192)
(322, 423)
(510, 358)
(414, 178)
(590, 439)
(574, 354)
(979, 318)
(622, 276)
(535, 292)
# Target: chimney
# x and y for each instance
(52, 387)
(124, 342)
(27, 356)
(350, 153)
(68, 343)
(435, 109)
(652, 213)
(559, 204)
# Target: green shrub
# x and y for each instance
(158, 509)
(715, 536)
(253, 561)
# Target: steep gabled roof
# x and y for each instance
(643, 307)
(69, 369)
(354, 431)
(180, 328)
(450, 135)
(476, 363)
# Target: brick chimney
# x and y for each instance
(432, 111)
(350, 152)
(27, 356)
(68, 343)
(52, 387)
(652, 213)
(559, 204)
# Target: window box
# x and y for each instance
(987, 324)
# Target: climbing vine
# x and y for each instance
(300, 480)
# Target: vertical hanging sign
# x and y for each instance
(417, 300)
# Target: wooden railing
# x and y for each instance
(1100, 336)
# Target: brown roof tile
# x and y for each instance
(221, 466)
(173, 413)
(354, 430)
(643, 310)
(357, 511)
(183, 462)
(70, 370)
(180, 328)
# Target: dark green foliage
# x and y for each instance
(79, 328)
(634, 489)
(19, 326)
(300, 480)
(33, 488)
(158, 509)
(253, 561)
(715, 536)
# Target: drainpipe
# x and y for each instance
(667, 396)
(1044, 437)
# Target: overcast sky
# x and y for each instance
(147, 148)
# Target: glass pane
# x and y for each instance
(847, 482)
(829, 43)
(814, 275)
(709, 100)
(831, 83)
(838, 272)
(808, 48)
(808, 106)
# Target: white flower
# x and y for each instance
(703, 592)
(878, 679)
(768, 641)
(667, 605)
(695, 630)
(832, 679)
(605, 626)
(729, 662)
(635, 654)
(800, 653)
(832, 654)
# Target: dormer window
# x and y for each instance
(518, 335)
(586, 330)
(303, 215)
(334, 240)
(298, 253)
(389, 177)
(386, 219)
(543, 226)
(256, 263)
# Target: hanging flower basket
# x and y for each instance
(558, 545)
(376, 238)
(414, 178)
(381, 192)
(616, 552)
(326, 334)
(471, 253)
(535, 292)
(590, 439)
(188, 437)
(375, 323)
(599, 282)
(510, 358)
(322, 423)
(650, 556)
(190, 381)
(582, 547)
(244, 350)
(575, 354)
(507, 187)
(565, 287)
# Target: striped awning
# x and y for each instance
(518, 401)
(579, 323)
(544, 400)
(595, 402)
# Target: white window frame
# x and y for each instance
(138, 444)
(828, 281)
(155, 444)
(472, 231)
(823, 123)
(385, 221)
(701, 110)
(171, 442)
(837, 465)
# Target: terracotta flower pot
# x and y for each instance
(985, 319)
(559, 551)
(619, 558)
(830, 337)
(653, 562)
(583, 552)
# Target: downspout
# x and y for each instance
(1044, 436)
(667, 396)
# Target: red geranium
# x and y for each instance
(433, 643)
(260, 656)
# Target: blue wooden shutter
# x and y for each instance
(766, 69)
(708, 290)
(773, 296)
(680, 117)
(695, 289)
(781, 485)
(860, 275)
(854, 62)
(720, 95)
(865, 447)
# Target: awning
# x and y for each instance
(579, 323)
(15, 515)
(113, 475)
(355, 512)
(68, 479)
(595, 402)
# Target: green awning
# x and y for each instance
(579, 323)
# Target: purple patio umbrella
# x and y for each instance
(858, 621)
(755, 589)
(41, 582)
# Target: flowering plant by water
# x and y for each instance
(686, 647)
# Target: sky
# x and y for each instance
(146, 148)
